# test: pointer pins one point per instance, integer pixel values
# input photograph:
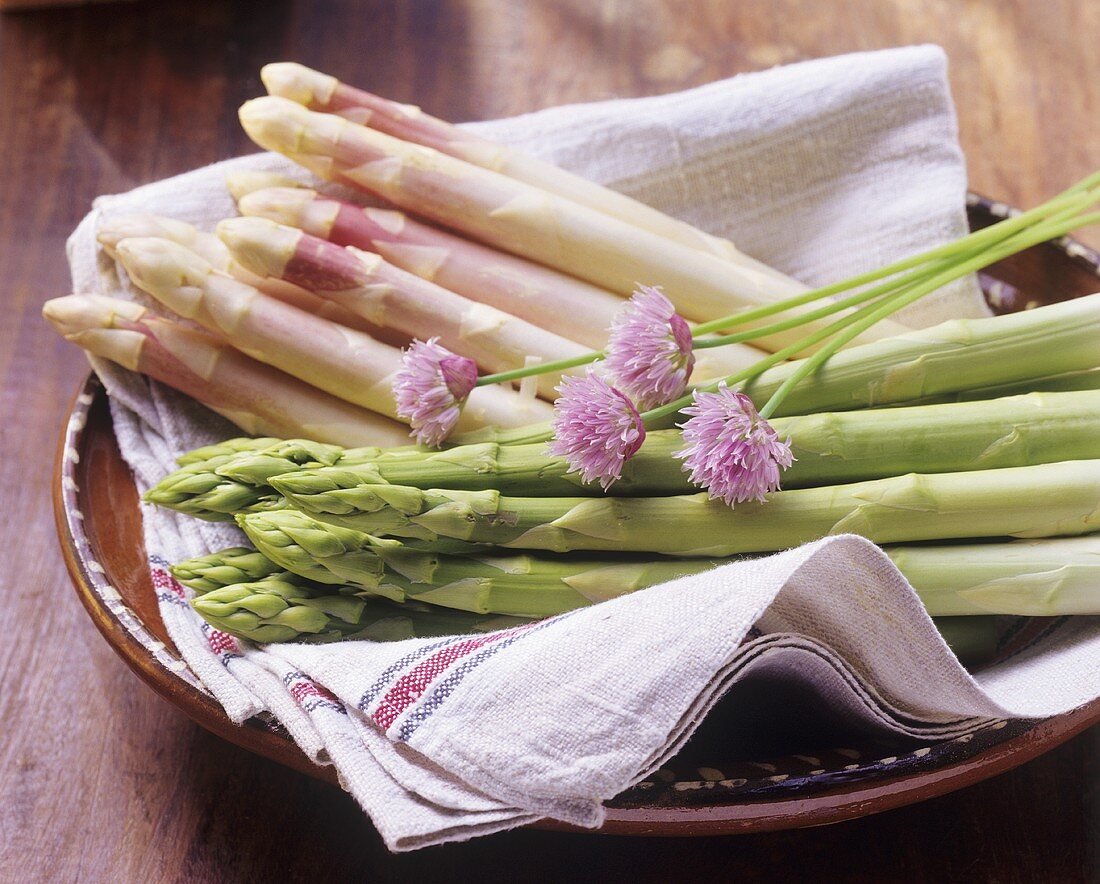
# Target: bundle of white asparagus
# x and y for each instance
(970, 449)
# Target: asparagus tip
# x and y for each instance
(275, 123)
(162, 267)
(73, 314)
(241, 184)
(284, 205)
(113, 230)
(288, 79)
(259, 244)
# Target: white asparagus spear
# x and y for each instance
(322, 92)
(339, 360)
(207, 246)
(261, 400)
(392, 298)
(523, 219)
(562, 304)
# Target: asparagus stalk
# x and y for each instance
(960, 354)
(517, 585)
(341, 361)
(829, 449)
(113, 230)
(1024, 578)
(561, 304)
(321, 92)
(1060, 383)
(257, 467)
(197, 491)
(1033, 501)
(251, 613)
(247, 465)
(1047, 577)
(321, 552)
(288, 452)
(926, 365)
(388, 296)
(256, 397)
(523, 219)
(1032, 578)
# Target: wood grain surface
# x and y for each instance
(102, 780)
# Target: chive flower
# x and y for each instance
(649, 351)
(431, 388)
(597, 429)
(731, 451)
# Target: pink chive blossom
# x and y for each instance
(431, 388)
(596, 428)
(649, 349)
(732, 451)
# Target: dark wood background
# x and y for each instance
(102, 780)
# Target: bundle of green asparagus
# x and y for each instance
(936, 478)
(687, 380)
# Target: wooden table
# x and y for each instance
(99, 778)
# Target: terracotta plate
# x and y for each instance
(760, 769)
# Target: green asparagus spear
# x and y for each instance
(829, 449)
(196, 489)
(1037, 578)
(254, 613)
(520, 585)
(256, 472)
(255, 468)
(1042, 578)
(961, 354)
(1032, 501)
(219, 481)
(945, 360)
(1068, 382)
